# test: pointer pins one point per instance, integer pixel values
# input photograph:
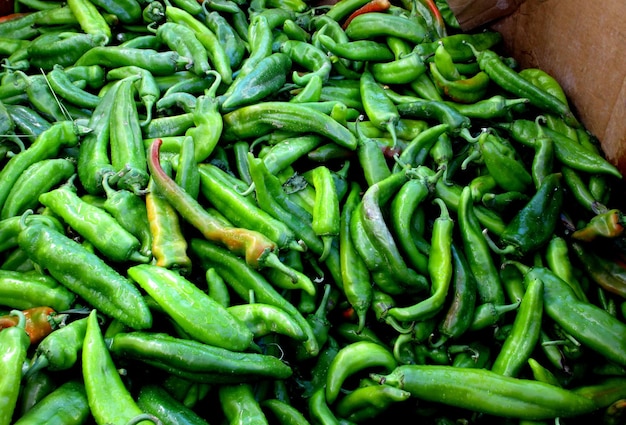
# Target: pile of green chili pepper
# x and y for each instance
(275, 212)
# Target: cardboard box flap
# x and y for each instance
(476, 13)
(578, 42)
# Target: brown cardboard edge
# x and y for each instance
(581, 46)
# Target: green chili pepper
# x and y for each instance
(127, 11)
(34, 388)
(326, 213)
(371, 158)
(91, 20)
(93, 152)
(540, 214)
(462, 90)
(358, 50)
(503, 163)
(242, 279)
(310, 57)
(128, 155)
(490, 314)
(558, 260)
(416, 151)
(182, 39)
(369, 401)
(439, 269)
(146, 86)
(579, 188)
(10, 228)
(109, 399)
(372, 217)
(263, 117)
(263, 319)
(240, 210)
(542, 374)
(31, 289)
(216, 51)
(484, 391)
(257, 248)
(378, 107)
(60, 349)
(478, 253)
(47, 145)
(496, 106)
(239, 404)
(155, 400)
(260, 39)
(116, 243)
(413, 107)
(208, 123)
(65, 88)
(200, 362)
(398, 71)
(284, 412)
(85, 274)
(272, 198)
(511, 81)
(130, 211)
(175, 295)
(60, 48)
(356, 282)
(350, 360)
(568, 153)
(458, 317)
(28, 121)
(377, 24)
(43, 99)
(522, 340)
(35, 180)
(14, 342)
(233, 45)
(267, 77)
(588, 323)
(158, 63)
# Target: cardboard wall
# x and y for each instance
(581, 43)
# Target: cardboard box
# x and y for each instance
(580, 43)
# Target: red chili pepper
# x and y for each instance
(372, 6)
(13, 16)
(608, 224)
(40, 322)
(435, 11)
(349, 313)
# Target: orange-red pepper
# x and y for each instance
(40, 322)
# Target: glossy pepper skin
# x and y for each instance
(116, 244)
(187, 305)
(243, 279)
(14, 343)
(521, 342)
(30, 289)
(199, 362)
(534, 225)
(588, 323)
(109, 399)
(66, 404)
(253, 245)
(485, 391)
(511, 81)
(85, 274)
(61, 349)
(47, 145)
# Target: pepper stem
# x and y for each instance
(509, 249)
